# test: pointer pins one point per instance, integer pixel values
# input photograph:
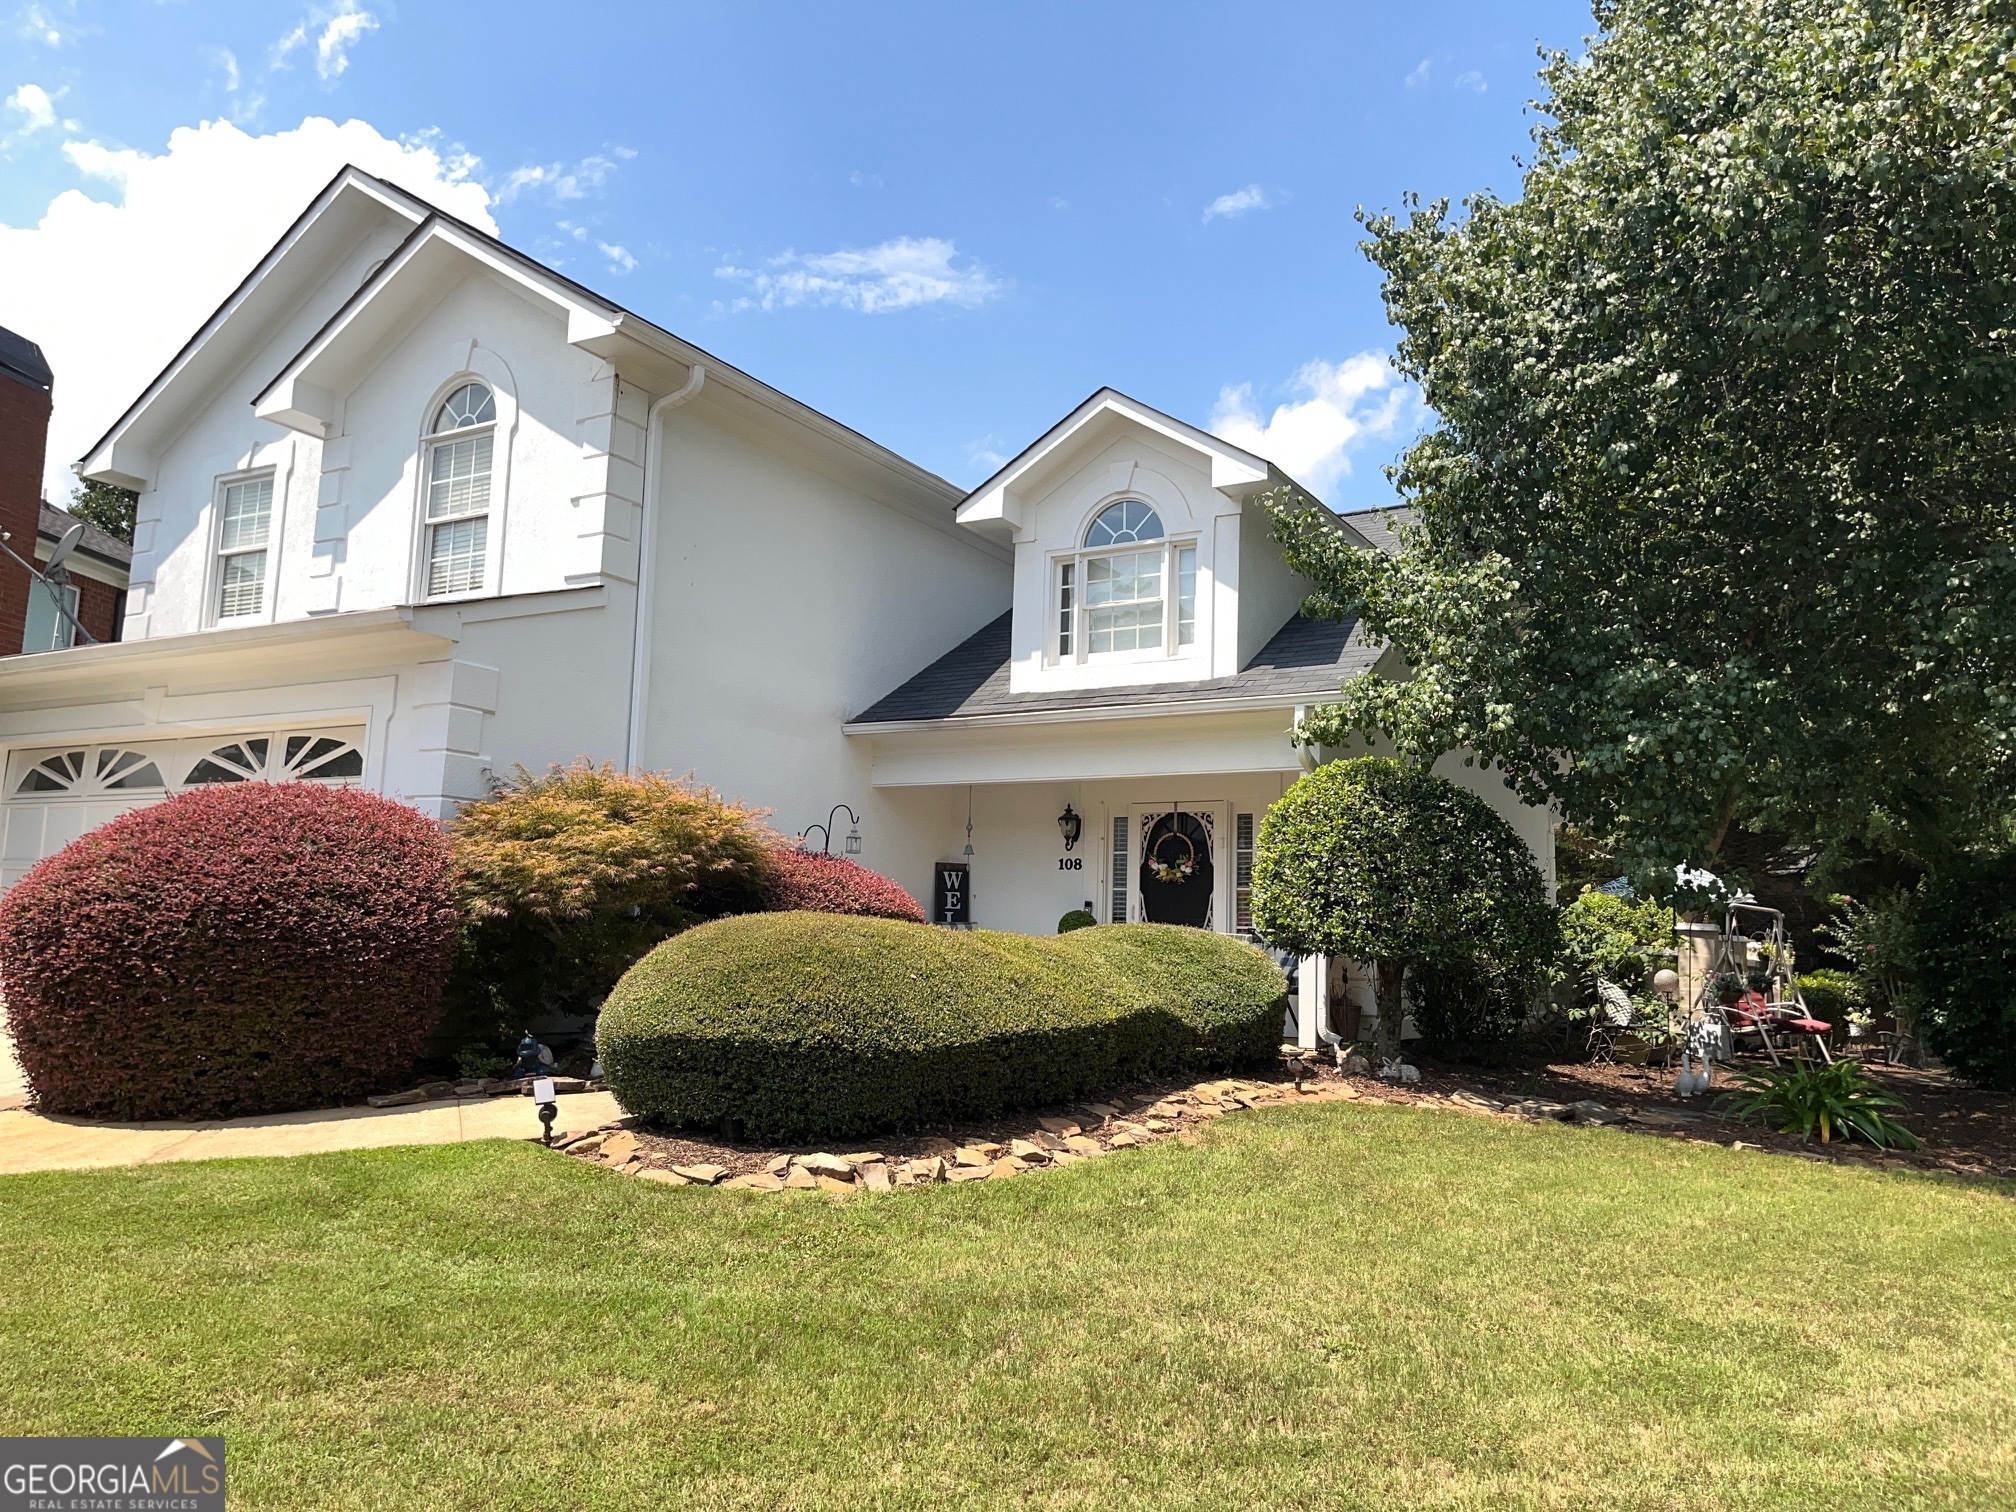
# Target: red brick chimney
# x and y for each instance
(25, 383)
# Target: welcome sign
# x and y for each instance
(951, 899)
(111, 1474)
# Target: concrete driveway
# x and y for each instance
(30, 1142)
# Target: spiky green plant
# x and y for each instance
(1826, 1100)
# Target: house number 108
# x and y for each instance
(1070, 863)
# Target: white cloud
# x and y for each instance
(620, 260)
(345, 29)
(1344, 406)
(1230, 206)
(900, 274)
(112, 287)
(558, 181)
(51, 25)
(335, 30)
(1472, 81)
(1418, 78)
(35, 107)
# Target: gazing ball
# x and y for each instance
(1666, 982)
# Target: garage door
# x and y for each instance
(55, 794)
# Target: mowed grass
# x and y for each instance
(1328, 1306)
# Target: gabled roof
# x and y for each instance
(123, 454)
(1233, 469)
(22, 360)
(1307, 658)
(595, 323)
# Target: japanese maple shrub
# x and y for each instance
(570, 876)
(238, 949)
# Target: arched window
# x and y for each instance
(1124, 523)
(1115, 594)
(459, 450)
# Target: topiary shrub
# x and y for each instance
(1962, 960)
(568, 878)
(812, 882)
(1378, 861)
(1077, 918)
(238, 949)
(814, 1026)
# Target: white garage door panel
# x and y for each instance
(55, 793)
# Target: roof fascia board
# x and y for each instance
(293, 398)
(1234, 471)
(62, 671)
(1084, 715)
(106, 460)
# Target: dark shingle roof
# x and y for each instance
(22, 360)
(1380, 526)
(1305, 658)
(94, 541)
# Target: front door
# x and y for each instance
(1174, 864)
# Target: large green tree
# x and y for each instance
(107, 506)
(1717, 521)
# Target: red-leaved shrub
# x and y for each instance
(817, 883)
(238, 949)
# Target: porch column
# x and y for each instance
(1312, 1001)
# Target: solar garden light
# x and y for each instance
(548, 1104)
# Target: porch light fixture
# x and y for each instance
(851, 844)
(1071, 825)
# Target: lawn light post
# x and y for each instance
(548, 1106)
(852, 843)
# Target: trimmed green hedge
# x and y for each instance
(813, 1026)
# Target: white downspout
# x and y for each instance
(640, 634)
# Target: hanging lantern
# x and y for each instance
(1071, 825)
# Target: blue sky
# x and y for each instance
(943, 224)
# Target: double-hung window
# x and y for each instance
(1128, 589)
(244, 527)
(459, 450)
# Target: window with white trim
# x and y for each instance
(459, 450)
(244, 528)
(50, 626)
(1129, 588)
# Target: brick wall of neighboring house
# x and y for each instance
(24, 432)
(99, 608)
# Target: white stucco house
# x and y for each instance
(416, 509)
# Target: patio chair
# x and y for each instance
(1615, 1016)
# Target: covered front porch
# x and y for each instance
(1130, 819)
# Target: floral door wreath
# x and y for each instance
(1169, 867)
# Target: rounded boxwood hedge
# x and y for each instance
(813, 1026)
(239, 949)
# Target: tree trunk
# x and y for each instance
(1392, 1006)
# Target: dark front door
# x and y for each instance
(1176, 877)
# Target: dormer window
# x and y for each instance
(459, 448)
(1129, 589)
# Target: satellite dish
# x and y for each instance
(64, 547)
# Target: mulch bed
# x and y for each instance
(1966, 1131)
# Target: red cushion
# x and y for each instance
(1808, 1026)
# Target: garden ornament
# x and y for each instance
(533, 1057)
(1699, 1046)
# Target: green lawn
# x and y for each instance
(1325, 1306)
